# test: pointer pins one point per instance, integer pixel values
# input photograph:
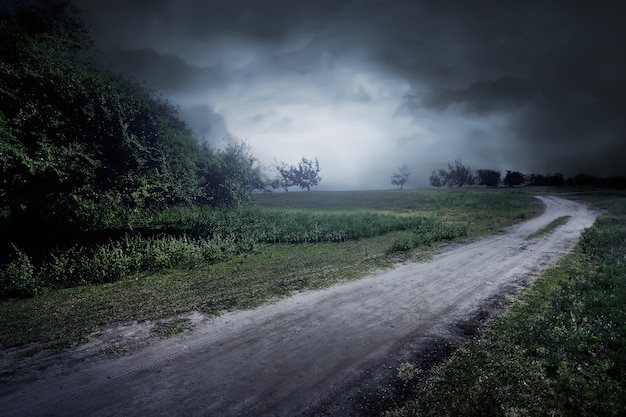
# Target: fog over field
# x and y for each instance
(367, 85)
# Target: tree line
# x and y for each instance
(458, 175)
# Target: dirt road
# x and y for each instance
(315, 353)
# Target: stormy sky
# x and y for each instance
(367, 85)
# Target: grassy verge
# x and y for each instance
(560, 350)
(247, 280)
(549, 228)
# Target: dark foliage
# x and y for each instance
(304, 175)
(488, 177)
(514, 179)
(457, 175)
(84, 149)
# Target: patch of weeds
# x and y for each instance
(550, 227)
(171, 328)
(115, 349)
(407, 372)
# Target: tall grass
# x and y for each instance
(560, 350)
(188, 237)
(216, 260)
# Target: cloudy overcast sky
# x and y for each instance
(367, 85)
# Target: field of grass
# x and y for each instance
(368, 230)
(560, 349)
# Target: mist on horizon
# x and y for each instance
(368, 85)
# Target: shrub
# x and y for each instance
(17, 278)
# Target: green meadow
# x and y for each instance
(211, 260)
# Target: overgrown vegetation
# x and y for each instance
(186, 237)
(85, 150)
(560, 350)
(220, 260)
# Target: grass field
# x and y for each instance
(368, 230)
(560, 350)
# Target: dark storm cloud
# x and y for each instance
(259, 21)
(566, 103)
(546, 79)
(164, 72)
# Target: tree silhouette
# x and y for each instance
(401, 177)
(304, 175)
(488, 177)
(459, 175)
(513, 178)
(438, 178)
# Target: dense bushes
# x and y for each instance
(79, 144)
(79, 265)
(84, 149)
(192, 236)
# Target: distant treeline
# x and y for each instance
(558, 180)
(459, 175)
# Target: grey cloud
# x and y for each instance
(260, 21)
(555, 71)
(485, 96)
(206, 124)
(164, 72)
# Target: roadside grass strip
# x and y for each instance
(228, 272)
(560, 349)
(549, 228)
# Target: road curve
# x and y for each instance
(298, 354)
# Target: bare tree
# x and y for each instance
(401, 177)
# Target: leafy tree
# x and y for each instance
(84, 146)
(229, 175)
(488, 177)
(401, 177)
(513, 178)
(285, 177)
(438, 178)
(42, 66)
(459, 175)
(79, 143)
(537, 180)
(304, 175)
